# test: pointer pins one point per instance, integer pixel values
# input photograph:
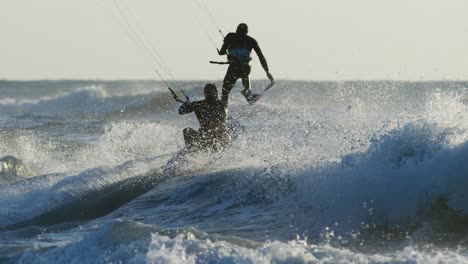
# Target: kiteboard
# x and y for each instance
(255, 97)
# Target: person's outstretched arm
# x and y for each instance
(263, 61)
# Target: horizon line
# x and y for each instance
(220, 80)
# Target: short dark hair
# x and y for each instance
(209, 88)
(242, 28)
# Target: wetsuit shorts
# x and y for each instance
(235, 71)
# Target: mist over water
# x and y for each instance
(339, 172)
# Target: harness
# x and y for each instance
(241, 56)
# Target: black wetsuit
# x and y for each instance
(238, 47)
(213, 133)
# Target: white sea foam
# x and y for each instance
(135, 243)
(328, 162)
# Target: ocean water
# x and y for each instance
(322, 172)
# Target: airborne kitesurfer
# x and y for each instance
(238, 47)
(211, 114)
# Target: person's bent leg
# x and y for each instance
(191, 138)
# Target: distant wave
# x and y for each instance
(85, 101)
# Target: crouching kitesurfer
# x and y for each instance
(211, 113)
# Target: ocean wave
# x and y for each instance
(399, 181)
(353, 172)
(133, 242)
(91, 100)
(396, 185)
(60, 198)
(12, 169)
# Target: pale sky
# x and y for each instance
(301, 39)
